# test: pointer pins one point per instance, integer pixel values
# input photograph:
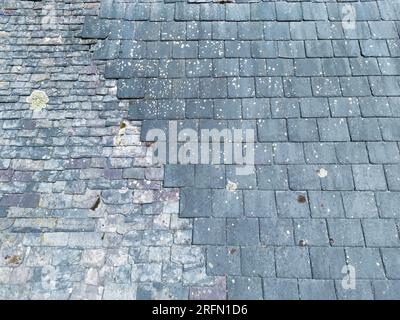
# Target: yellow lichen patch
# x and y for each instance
(38, 100)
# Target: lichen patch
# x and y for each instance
(38, 100)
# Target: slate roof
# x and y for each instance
(323, 196)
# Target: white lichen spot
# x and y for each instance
(38, 100)
(322, 173)
(231, 186)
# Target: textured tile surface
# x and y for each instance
(84, 211)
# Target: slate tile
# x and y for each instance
(292, 262)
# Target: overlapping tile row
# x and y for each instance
(319, 96)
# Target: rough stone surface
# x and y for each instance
(86, 213)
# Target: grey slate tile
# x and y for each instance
(384, 86)
(291, 49)
(391, 259)
(161, 12)
(272, 177)
(292, 204)
(374, 48)
(355, 86)
(386, 290)
(213, 88)
(227, 109)
(364, 66)
(131, 88)
(209, 231)
(243, 231)
(243, 288)
(364, 129)
(269, 87)
(334, 67)
(276, 232)
(262, 11)
(326, 204)
(223, 260)
(280, 289)
(224, 31)
(393, 177)
(292, 262)
(390, 129)
(198, 68)
(276, 31)
(303, 30)
(177, 175)
(237, 49)
(327, 263)
(288, 11)
(259, 203)
(363, 291)
(367, 262)
(212, 12)
(271, 130)
(314, 107)
(320, 153)
(247, 181)
(186, 12)
(227, 203)
(198, 30)
(253, 68)
(303, 130)
(325, 87)
(360, 205)
(288, 153)
(346, 48)
(333, 129)
(250, 30)
(383, 152)
(263, 154)
(318, 48)
(329, 30)
(312, 232)
(95, 28)
(338, 178)
(255, 108)
(195, 202)
(317, 289)
(209, 176)
(263, 49)
(314, 11)
(258, 261)
(369, 177)
(285, 108)
(345, 232)
(374, 107)
(238, 12)
(308, 67)
(344, 107)
(303, 177)
(388, 203)
(279, 67)
(297, 87)
(380, 233)
(241, 87)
